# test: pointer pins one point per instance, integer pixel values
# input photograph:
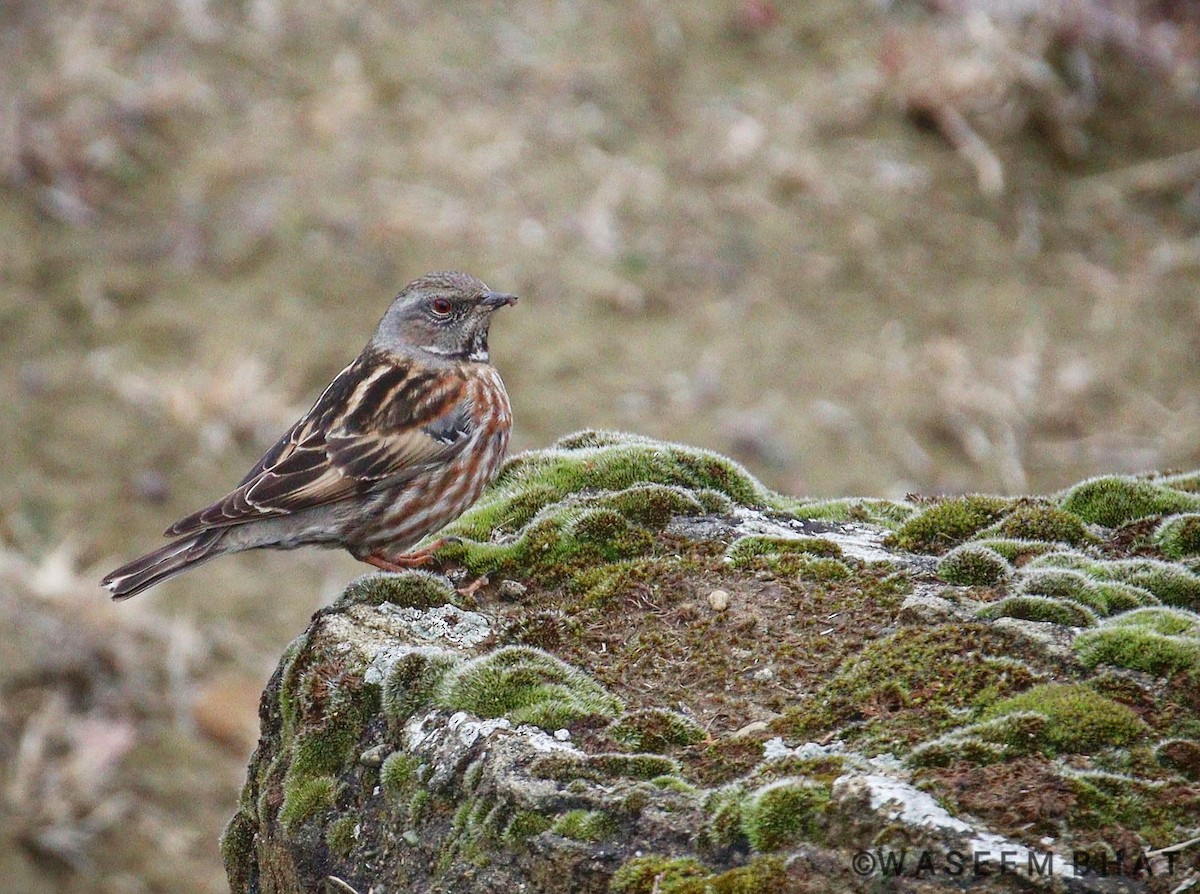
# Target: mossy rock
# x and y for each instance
(948, 522)
(1079, 720)
(1157, 640)
(1113, 500)
(972, 565)
(644, 724)
(526, 685)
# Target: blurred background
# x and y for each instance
(865, 247)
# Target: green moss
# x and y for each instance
(674, 784)
(412, 681)
(947, 523)
(407, 589)
(418, 806)
(602, 461)
(885, 513)
(526, 685)
(1016, 552)
(525, 824)
(327, 744)
(783, 813)
(1114, 500)
(1079, 720)
(746, 550)
(1045, 524)
(397, 772)
(602, 768)
(658, 875)
(304, 798)
(1064, 584)
(655, 874)
(986, 742)
(342, 834)
(1179, 535)
(656, 730)
(910, 683)
(971, 565)
(723, 808)
(237, 849)
(584, 825)
(1155, 640)
(1043, 609)
(1172, 584)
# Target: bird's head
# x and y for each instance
(445, 315)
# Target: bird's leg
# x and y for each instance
(409, 560)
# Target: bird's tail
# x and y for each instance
(163, 564)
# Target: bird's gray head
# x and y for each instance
(445, 315)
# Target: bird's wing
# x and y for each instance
(379, 423)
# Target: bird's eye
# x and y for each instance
(441, 307)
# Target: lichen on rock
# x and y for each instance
(557, 704)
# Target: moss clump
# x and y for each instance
(655, 874)
(1046, 524)
(407, 589)
(665, 875)
(397, 772)
(724, 810)
(784, 812)
(328, 742)
(1179, 535)
(305, 797)
(526, 685)
(749, 550)
(602, 768)
(1114, 500)
(656, 730)
(1159, 641)
(1043, 609)
(412, 682)
(525, 824)
(1016, 552)
(674, 784)
(1079, 719)
(983, 743)
(342, 834)
(1064, 584)
(1171, 584)
(947, 523)
(971, 565)
(591, 462)
(584, 825)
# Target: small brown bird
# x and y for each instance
(401, 442)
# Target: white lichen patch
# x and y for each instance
(446, 622)
(895, 801)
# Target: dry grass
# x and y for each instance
(868, 250)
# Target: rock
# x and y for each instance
(603, 733)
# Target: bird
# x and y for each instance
(401, 442)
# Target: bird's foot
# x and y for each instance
(408, 560)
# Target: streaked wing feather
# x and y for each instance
(378, 424)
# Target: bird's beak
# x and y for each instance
(493, 300)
